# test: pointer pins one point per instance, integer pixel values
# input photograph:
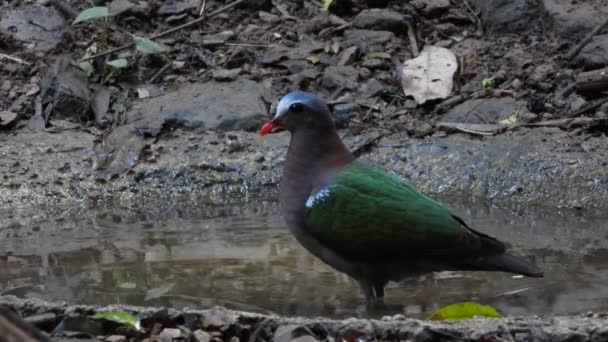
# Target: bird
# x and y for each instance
(364, 221)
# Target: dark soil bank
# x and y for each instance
(179, 123)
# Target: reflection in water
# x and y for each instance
(241, 256)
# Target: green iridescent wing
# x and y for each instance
(366, 213)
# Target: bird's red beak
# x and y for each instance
(272, 126)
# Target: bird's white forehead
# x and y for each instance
(283, 106)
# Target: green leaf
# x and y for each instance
(511, 120)
(148, 47)
(92, 13)
(327, 4)
(488, 82)
(464, 310)
(87, 67)
(123, 318)
(118, 63)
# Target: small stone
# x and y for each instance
(595, 54)
(490, 110)
(431, 8)
(116, 338)
(375, 63)
(201, 336)
(6, 85)
(259, 158)
(268, 17)
(576, 102)
(7, 118)
(368, 40)
(226, 74)
(42, 319)
(516, 83)
(340, 76)
(541, 72)
(217, 39)
(509, 15)
(381, 19)
(170, 333)
(177, 7)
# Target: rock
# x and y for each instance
(368, 40)
(484, 111)
(7, 119)
(65, 88)
(376, 63)
(380, 19)
(340, 76)
(292, 332)
(44, 321)
(212, 105)
(575, 103)
(40, 28)
(342, 113)
(595, 54)
(225, 74)
(573, 19)
(117, 7)
(170, 334)
(303, 49)
(217, 318)
(542, 71)
(431, 8)
(509, 15)
(93, 195)
(201, 336)
(177, 7)
(116, 338)
(217, 38)
(259, 158)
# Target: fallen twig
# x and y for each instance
(592, 81)
(167, 32)
(475, 129)
(479, 25)
(203, 7)
(14, 59)
(249, 45)
(411, 34)
(587, 108)
(160, 72)
(450, 102)
(575, 50)
(566, 123)
(367, 145)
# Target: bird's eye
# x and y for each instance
(296, 107)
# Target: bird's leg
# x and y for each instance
(379, 290)
(368, 290)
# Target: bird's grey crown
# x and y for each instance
(309, 99)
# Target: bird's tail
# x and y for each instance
(507, 263)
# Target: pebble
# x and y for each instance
(259, 158)
(170, 333)
(93, 195)
(201, 336)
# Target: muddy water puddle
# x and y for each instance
(240, 255)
